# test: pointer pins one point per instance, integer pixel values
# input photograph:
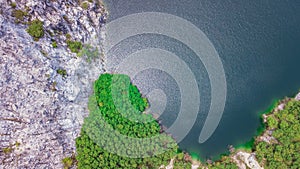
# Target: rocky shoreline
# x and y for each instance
(41, 109)
(245, 159)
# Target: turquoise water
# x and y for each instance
(259, 44)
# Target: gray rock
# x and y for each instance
(298, 97)
(41, 111)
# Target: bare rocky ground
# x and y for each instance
(42, 111)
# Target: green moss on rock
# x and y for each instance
(54, 44)
(74, 46)
(7, 150)
(68, 162)
(85, 5)
(13, 5)
(35, 29)
(62, 72)
(19, 15)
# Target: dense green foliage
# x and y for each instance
(182, 161)
(224, 163)
(74, 46)
(117, 106)
(116, 110)
(284, 151)
(117, 99)
(35, 29)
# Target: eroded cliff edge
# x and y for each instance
(44, 88)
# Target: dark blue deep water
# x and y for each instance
(259, 44)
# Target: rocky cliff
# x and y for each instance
(44, 87)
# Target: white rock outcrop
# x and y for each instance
(42, 111)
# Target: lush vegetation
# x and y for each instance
(182, 161)
(35, 29)
(284, 150)
(108, 135)
(74, 46)
(116, 110)
(224, 163)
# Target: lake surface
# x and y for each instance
(258, 43)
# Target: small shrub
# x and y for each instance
(68, 162)
(19, 15)
(7, 150)
(68, 36)
(85, 5)
(13, 5)
(17, 144)
(62, 72)
(54, 44)
(67, 19)
(74, 46)
(27, 8)
(36, 30)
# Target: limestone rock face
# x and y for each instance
(42, 110)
